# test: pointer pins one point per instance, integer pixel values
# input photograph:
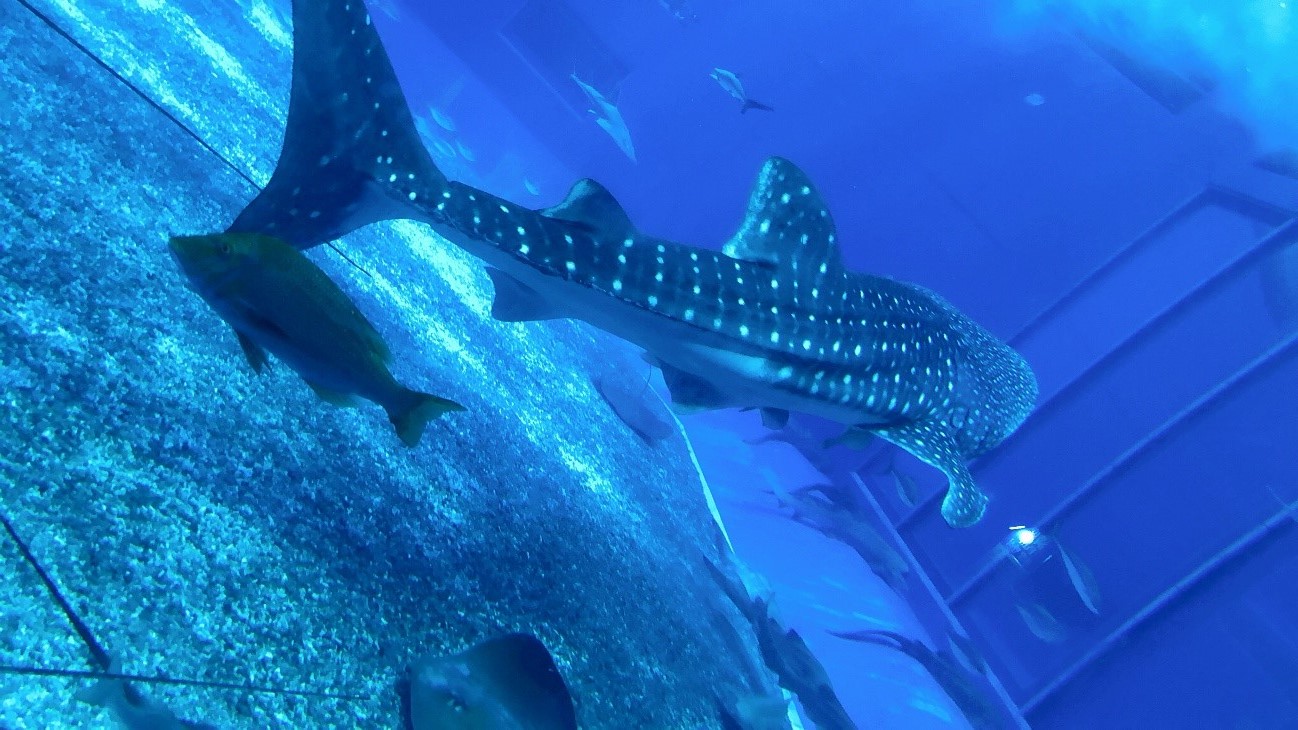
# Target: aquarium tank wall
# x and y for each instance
(648, 364)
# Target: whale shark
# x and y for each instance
(773, 320)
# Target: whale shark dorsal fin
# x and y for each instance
(351, 153)
(591, 204)
(787, 225)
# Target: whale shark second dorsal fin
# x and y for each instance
(591, 204)
(787, 225)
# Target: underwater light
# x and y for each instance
(1023, 542)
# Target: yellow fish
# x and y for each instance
(277, 300)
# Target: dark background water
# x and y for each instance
(1083, 179)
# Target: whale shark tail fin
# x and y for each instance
(351, 153)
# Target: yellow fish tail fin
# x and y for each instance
(412, 410)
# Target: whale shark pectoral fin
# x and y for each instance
(517, 302)
(690, 393)
(964, 503)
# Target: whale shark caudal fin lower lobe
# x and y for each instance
(351, 155)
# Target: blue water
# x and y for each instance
(1080, 177)
(1109, 186)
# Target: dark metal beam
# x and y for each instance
(1190, 205)
(1286, 348)
(1281, 236)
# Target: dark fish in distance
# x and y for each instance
(968, 690)
(786, 654)
(277, 300)
(907, 487)
(729, 81)
(835, 521)
(807, 435)
(773, 320)
(1041, 622)
(1083, 580)
(966, 652)
(506, 683)
(800, 672)
(681, 10)
(755, 712)
(131, 708)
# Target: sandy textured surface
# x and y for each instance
(210, 523)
